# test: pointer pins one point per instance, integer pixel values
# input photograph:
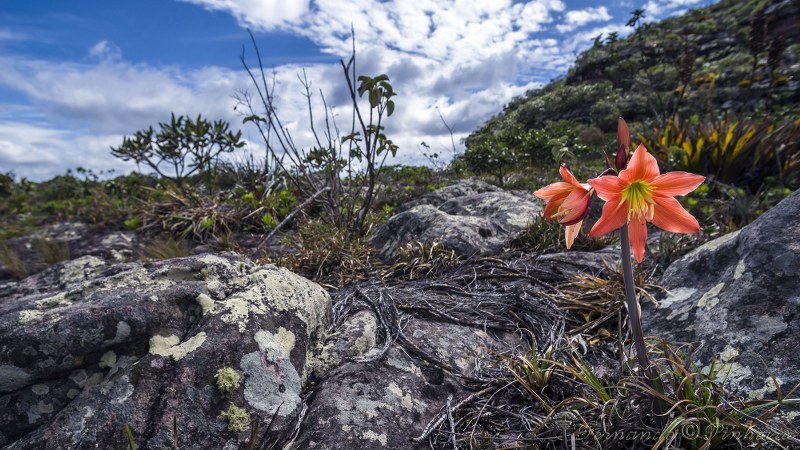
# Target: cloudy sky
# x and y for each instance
(78, 76)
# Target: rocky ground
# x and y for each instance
(101, 341)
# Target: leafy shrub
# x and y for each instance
(183, 145)
(340, 173)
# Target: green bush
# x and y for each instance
(184, 146)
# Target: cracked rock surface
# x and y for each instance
(740, 296)
(86, 348)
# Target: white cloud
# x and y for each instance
(105, 51)
(657, 9)
(265, 14)
(579, 17)
(466, 57)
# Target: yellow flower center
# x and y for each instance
(639, 195)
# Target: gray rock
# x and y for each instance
(470, 217)
(72, 240)
(87, 347)
(740, 296)
(383, 404)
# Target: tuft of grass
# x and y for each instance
(422, 260)
(326, 254)
(11, 261)
(52, 251)
(168, 248)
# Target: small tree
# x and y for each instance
(181, 148)
(496, 154)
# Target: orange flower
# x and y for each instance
(567, 202)
(639, 195)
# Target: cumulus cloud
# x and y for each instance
(461, 58)
(579, 17)
(263, 14)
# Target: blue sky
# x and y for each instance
(78, 76)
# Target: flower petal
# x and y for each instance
(554, 204)
(615, 214)
(642, 166)
(570, 232)
(568, 176)
(669, 215)
(671, 184)
(637, 232)
(577, 203)
(552, 190)
(608, 187)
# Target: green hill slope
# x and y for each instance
(736, 58)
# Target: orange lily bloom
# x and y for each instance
(640, 194)
(567, 202)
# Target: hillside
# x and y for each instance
(732, 59)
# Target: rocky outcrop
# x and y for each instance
(70, 240)
(470, 217)
(86, 348)
(739, 295)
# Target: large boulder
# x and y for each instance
(86, 348)
(471, 217)
(739, 295)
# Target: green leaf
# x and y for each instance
(389, 108)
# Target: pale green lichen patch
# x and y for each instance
(169, 345)
(240, 307)
(123, 332)
(769, 386)
(406, 401)
(59, 299)
(375, 437)
(227, 379)
(709, 299)
(40, 389)
(286, 291)
(29, 315)
(283, 341)
(108, 359)
(207, 303)
(676, 295)
(238, 419)
(739, 270)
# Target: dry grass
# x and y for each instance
(326, 254)
(161, 249)
(52, 251)
(11, 262)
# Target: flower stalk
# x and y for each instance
(632, 304)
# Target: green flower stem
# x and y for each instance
(659, 407)
(631, 302)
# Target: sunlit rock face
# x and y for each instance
(739, 295)
(470, 217)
